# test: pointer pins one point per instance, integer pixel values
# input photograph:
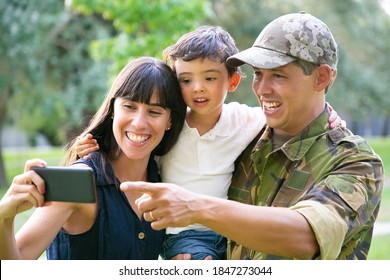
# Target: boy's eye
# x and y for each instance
(185, 81)
(211, 79)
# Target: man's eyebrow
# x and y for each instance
(280, 68)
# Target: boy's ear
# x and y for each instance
(234, 81)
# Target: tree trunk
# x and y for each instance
(3, 113)
(385, 128)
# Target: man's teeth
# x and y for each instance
(136, 138)
(271, 105)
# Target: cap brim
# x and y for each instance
(259, 58)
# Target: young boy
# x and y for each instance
(214, 133)
(213, 136)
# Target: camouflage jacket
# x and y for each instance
(333, 170)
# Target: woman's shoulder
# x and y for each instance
(101, 167)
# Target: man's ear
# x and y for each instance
(234, 81)
(333, 76)
(324, 77)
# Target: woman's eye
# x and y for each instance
(129, 106)
(155, 112)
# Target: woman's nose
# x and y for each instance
(139, 119)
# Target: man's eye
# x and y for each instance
(279, 76)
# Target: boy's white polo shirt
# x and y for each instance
(204, 164)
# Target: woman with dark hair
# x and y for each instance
(141, 117)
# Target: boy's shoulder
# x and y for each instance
(239, 107)
(243, 112)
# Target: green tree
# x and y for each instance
(359, 28)
(144, 28)
(47, 74)
(46, 55)
(18, 24)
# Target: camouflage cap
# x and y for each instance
(297, 35)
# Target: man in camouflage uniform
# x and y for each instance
(300, 190)
(331, 177)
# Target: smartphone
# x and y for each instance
(68, 184)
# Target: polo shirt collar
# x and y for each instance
(221, 128)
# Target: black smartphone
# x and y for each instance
(68, 184)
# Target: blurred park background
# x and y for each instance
(57, 59)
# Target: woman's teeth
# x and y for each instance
(137, 138)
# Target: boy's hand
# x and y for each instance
(86, 145)
(335, 120)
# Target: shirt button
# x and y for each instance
(141, 235)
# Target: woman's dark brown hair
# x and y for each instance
(138, 81)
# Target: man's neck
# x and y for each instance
(278, 140)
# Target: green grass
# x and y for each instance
(380, 247)
(382, 147)
(384, 212)
(15, 159)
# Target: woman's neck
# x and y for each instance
(126, 169)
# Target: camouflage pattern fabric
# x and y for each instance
(332, 167)
(297, 35)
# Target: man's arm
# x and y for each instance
(273, 230)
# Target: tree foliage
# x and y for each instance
(22, 48)
(48, 81)
(46, 66)
(56, 60)
(143, 28)
(49, 71)
(360, 28)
